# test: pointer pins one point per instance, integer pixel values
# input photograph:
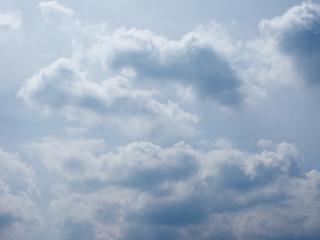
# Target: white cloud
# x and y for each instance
(64, 89)
(19, 215)
(300, 16)
(202, 59)
(53, 11)
(10, 20)
(289, 49)
(57, 14)
(9, 24)
(141, 190)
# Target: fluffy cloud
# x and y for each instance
(142, 191)
(206, 61)
(133, 80)
(200, 59)
(19, 216)
(63, 88)
(290, 45)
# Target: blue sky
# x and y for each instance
(160, 120)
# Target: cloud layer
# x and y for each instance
(142, 191)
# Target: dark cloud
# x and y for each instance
(6, 220)
(137, 232)
(78, 230)
(108, 213)
(170, 213)
(199, 66)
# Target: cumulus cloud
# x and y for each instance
(143, 191)
(19, 215)
(200, 59)
(63, 88)
(289, 47)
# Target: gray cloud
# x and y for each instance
(142, 190)
(81, 230)
(202, 58)
(6, 220)
(194, 60)
(297, 35)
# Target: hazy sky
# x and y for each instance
(133, 120)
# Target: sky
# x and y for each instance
(138, 120)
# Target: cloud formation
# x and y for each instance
(202, 58)
(63, 88)
(19, 215)
(119, 91)
(297, 35)
(142, 191)
(199, 59)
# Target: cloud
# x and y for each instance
(19, 216)
(296, 34)
(200, 59)
(139, 172)
(53, 11)
(10, 20)
(9, 24)
(142, 190)
(63, 88)
(205, 61)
